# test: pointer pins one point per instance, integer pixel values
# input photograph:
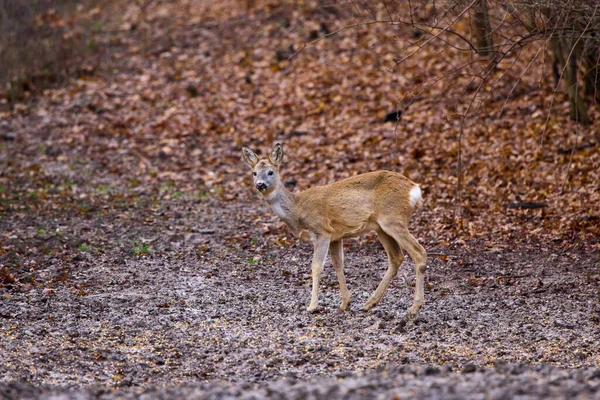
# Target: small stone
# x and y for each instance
(165, 152)
(469, 368)
(431, 370)
(561, 324)
(393, 116)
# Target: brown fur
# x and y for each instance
(377, 201)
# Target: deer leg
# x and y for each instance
(321, 247)
(418, 255)
(395, 258)
(337, 259)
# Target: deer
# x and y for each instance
(380, 201)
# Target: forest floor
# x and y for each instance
(195, 314)
(136, 260)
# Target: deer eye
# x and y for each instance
(270, 172)
(254, 173)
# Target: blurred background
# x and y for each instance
(490, 105)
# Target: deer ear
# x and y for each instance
(249, 156)
(276, 156)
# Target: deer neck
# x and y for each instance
(282, 202)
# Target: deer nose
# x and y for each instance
(261, 186)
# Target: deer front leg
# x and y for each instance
(337, 259)
(321, 247)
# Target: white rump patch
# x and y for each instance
(415, 196)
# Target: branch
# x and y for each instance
(344, 28)
(436, 35)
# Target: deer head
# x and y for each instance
(265, 173)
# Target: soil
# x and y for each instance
(212, 320)
(136, 260)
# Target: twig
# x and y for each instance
(553, 92)
(561, 74)
(518, 81)
(497, 81)
(439, 254)
(120, 294)
(426, 85)
(562, 189)
(344, 28)
(436, 35)
(392, 22)
(512, 276)
(536, 291)
(388, 11)
(490, 68)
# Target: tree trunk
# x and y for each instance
(561, 47)
(591, 69)
(482, 29)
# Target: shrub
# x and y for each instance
(41, 41)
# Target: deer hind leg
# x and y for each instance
(321, 247)
(395, 258)
(337, 259)
(418, 254)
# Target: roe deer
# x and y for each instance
(380, 201)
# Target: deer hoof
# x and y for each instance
(344, 305)
(413, 311)
(311, 308)
(368, 305)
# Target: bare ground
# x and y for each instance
(200, 315)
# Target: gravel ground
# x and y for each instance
(214, 320)
(502, 382)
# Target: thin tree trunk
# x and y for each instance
(482, 29)
(591, 69)
(562, 51)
